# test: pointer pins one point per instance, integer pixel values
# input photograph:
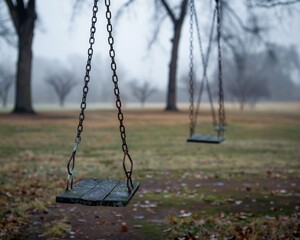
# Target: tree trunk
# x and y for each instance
(171, 92)
(62, 100)
(177, 23)
(23, 16)
(23, 102)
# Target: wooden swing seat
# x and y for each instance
(99, 192)
(201, 138)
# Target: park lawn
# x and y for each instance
(231, 189)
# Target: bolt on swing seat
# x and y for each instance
(91, 191)
(99, 192)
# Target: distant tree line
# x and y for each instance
(23, 17)
(253, 77)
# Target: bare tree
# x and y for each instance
(62, 84)
(242, 73)
(142, 91)
(259, 75)
(6, 32)
(6, 81)
(23, 15)
(280, 72)
(242, 36)
(247, 89)
(177, 12)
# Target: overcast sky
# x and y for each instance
(57, 38)
(63, 38)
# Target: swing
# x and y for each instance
(219, 127)
(100, 192)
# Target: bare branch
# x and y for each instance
(31, 8)
(271, 4)
(142, 91)
(6, 33)
(169, 11)
(77, 7)
(121, 10)
(183, 8)
(13, 13)
(156, 31)
(20, 4)
(62, 84)
(238, 19)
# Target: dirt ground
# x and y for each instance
(132, 222)
(253, 175)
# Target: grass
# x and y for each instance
(262, 145)
(231, 227)
(56, 229)
(152, 231)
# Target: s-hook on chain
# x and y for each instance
(115, 80)
(221, 94)
(71, 162)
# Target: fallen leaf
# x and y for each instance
(116, 214)
(184, 214)
(124, 227)
(167, 230)
(151, 210)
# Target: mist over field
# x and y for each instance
(282, 83)
(250, 70)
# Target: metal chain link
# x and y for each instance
(221, 94)
(191, 73)
(205, 61)
(115, 80)
(71, 162)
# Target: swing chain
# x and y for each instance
(221, 95)
(205, 61)
(71, 162)
(191, 73)
(115, 80)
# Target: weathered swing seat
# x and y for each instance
(99, 192)
(201, 138)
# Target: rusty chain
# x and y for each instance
(191, 73)
(194, 112)
(221, 94)
(205, 61)
(120, 115)
(71, 162)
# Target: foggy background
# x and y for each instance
(61, 43)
